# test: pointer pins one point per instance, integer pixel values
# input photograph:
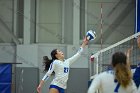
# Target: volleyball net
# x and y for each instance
(102, 58)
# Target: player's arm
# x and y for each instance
(90, 35)
(40, 86)
(128, 53)
(85, 42)
(77, 55)
(47, 75)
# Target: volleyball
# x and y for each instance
(91, 35)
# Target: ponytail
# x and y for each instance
(46, 63)
(123, 74)
(122, 70)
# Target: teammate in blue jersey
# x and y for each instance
(60, 67)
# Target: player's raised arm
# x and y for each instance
(90, 35)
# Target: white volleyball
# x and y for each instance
(91, 35)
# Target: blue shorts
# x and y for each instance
(61, 90)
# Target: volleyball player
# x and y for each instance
(118, 80)
(60, 67)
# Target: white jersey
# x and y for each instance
(61, 69)
(105, 83)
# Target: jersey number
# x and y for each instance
(66, 69)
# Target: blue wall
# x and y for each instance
(5, 78)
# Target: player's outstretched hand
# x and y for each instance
(85, 41)
(39, 89)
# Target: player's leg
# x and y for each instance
(53, 90)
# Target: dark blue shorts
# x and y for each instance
(61, 90)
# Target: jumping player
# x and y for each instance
(60, 67)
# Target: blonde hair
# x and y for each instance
(122, 70)
(123, 75)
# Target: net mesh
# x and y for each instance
(103, 57)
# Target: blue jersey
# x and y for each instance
(61, 69)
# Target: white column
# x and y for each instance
(27, 22)
(86, 15)
(37, 20)
(15, 17)
(76, 21)
(63, 20)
